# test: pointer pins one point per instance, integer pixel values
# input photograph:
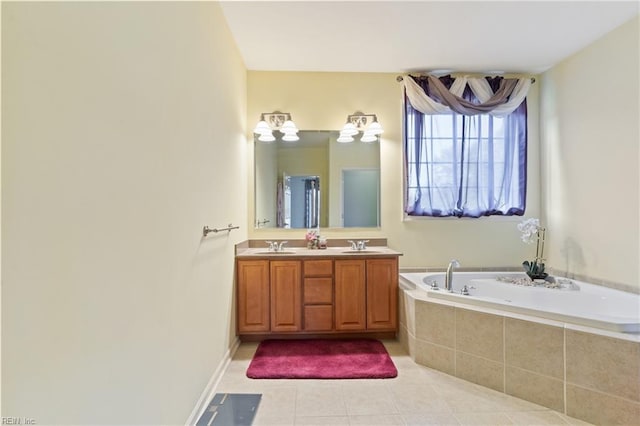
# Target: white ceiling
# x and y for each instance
(413, 36)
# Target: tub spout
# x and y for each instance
(448, 279)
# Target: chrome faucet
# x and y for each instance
(358, 245)
(448, 278)
(275, 246)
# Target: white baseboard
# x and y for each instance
(210, 389)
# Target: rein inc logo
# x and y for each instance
(18, 421)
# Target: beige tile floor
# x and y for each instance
(418, 396)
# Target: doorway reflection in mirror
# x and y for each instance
(298, 202)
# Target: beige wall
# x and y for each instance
(590, 136)
(322, 101)
(123, 135)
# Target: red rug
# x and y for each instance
(321, 359)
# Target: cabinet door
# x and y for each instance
(350, 300)
(382, 294)
(253, 296)
(286, 297)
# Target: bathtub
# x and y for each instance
(573, 302)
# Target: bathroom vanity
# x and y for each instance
(310, 292)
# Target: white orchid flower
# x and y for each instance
(529, 229)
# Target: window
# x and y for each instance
(465, 165)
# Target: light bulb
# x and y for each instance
(349, 129)
(288, 127)
(368, 137)
(375, 128)
(267, 137)
(262, 127)
(344, 138)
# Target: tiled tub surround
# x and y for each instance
(586, 373)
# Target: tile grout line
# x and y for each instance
(455, 342)
(392, 395)
(564, 369)
(504, 355)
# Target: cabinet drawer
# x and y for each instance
(318, 318)
(318, 291)
(318, 267)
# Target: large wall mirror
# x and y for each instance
(317, 182)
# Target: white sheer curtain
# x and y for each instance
(465, 165)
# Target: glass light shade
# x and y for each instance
(262, 127)
(267, 137)
(344, 138)
(288, 127)
(368, 137)
(375, 128)
(290, 137)
(349, 129)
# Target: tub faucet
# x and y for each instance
(448, 278)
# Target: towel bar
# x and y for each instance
(206, 229)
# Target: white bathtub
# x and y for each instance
(576, 302)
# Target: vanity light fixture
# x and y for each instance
(359, 122)
(276, 121)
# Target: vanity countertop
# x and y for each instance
(290, 252)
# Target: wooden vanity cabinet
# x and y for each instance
(367, 294)
(286, 303)
(252, 306)
(350, 279)
(317, 296)
(268, 296)
(382, 294)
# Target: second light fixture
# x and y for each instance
(359, 122)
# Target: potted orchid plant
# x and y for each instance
(532, 232)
